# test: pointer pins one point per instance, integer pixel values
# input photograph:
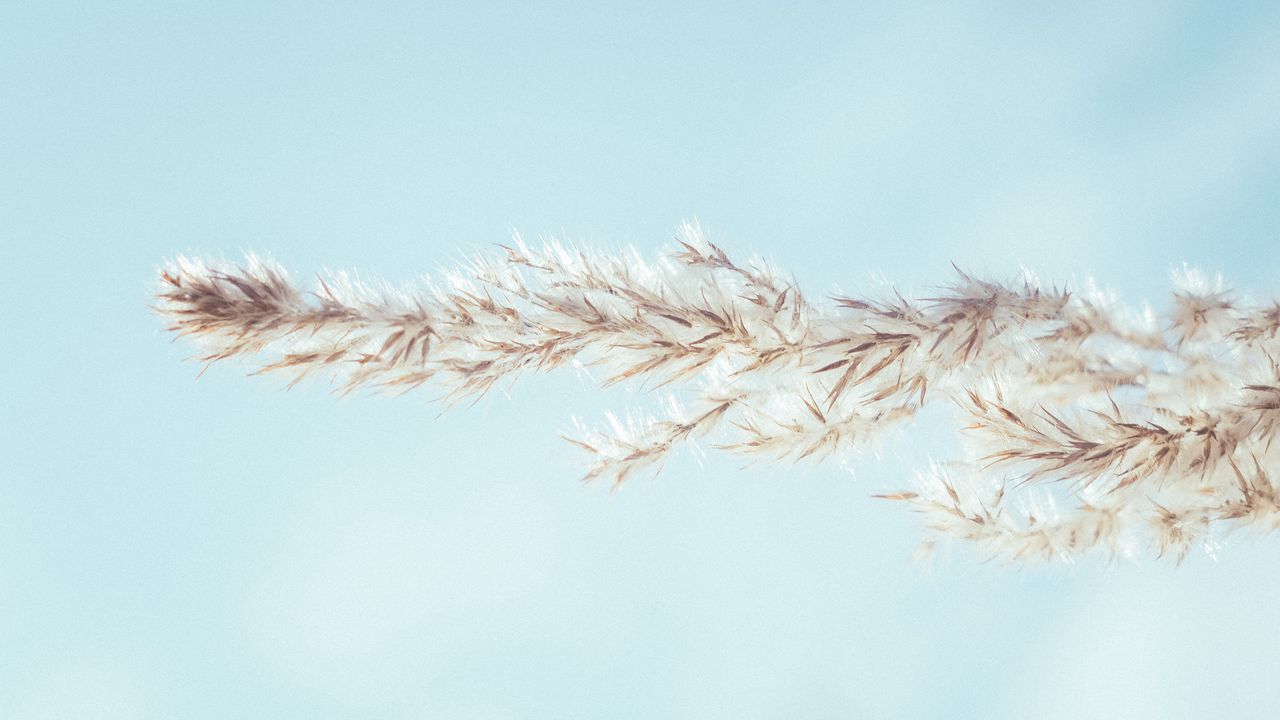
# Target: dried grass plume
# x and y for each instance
(1088, 429)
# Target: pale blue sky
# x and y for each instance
(224, 549)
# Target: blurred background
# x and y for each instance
(223, 548)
